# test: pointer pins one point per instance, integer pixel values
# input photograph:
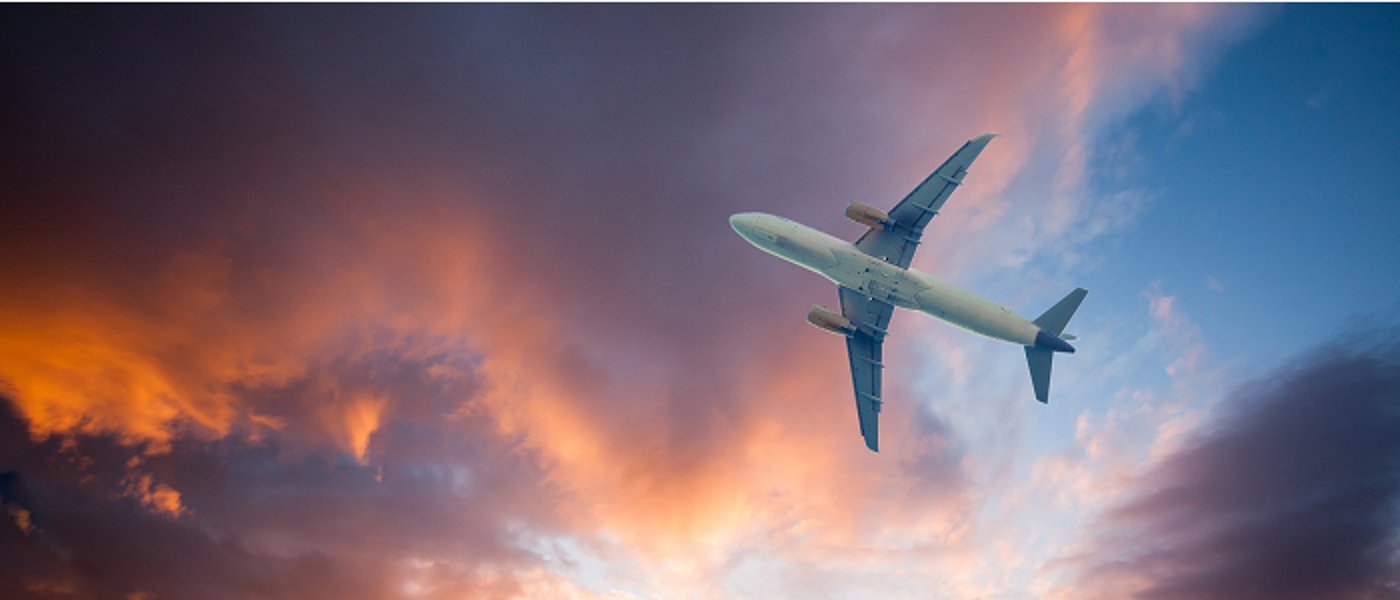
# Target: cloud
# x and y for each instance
(1292, 492)
(376, 294)
(261, 520)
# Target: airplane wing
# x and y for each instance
(896, 243)
(871, 317)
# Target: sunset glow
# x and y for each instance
(437, 301)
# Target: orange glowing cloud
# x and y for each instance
(159, 497)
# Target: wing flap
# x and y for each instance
(865, 348)
(866, 374)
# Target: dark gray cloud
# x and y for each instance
(270, 519)
(1294, 494)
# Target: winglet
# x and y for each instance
(981, 141)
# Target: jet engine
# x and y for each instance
(867, 215)
(830, 321)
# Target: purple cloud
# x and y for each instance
(1293, 494)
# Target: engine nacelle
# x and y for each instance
(867, 215)
(830, 321)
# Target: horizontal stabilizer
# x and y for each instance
(1054, 343)
(1055, 319)
(1039, 361)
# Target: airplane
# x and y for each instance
(873, 277)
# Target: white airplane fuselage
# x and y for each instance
(847, 266)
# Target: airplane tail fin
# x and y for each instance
(1050, 340)
(1055, 319)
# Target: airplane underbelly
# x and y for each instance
(892, 293)
(875, 279)
(975, 314)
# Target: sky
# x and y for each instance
(441, 301)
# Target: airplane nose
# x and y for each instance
(743, 224)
